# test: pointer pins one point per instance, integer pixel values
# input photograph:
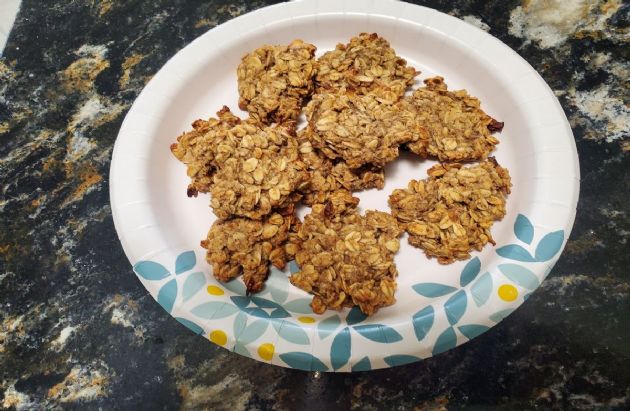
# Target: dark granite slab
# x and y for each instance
(79, 331)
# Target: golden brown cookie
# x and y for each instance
(243, 246)
(366, 65)
(360, 129)
(197, 148)
(345, 258)
(454, 126)
(273, 81)
(258, 170)
(450, 213)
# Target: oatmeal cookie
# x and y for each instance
(455, 127)
(258, 170)
(328, 176)
(197, 148)
(345, 258)
(360, 129)
(243, 246)
(273, 81)
(450, 213)
(366, 65)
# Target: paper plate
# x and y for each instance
(439, 307)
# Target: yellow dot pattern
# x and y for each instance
(214, 290)
(266, 351)
(306, 320)
(218, 337)
(508, 292)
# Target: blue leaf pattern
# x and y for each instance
(150, 270)
(471, 331)
(355, 316)
(523, 229)
(303, 361)
(236, 286)
(240, 321)
(240, 301)
(242, 350)
(256, 312)
(515, 252)
(327, 326)
(253, 331)
(214, 310)
(167, 294)
(456, 306)
(395, 360)
(520, 275)
(340, 349)
(482, 289)
(185, 261)
(279, 286)
(470, 272)
(293, 267)
(190, 325)
(379, 333)
(279, 313)
(423, 321)
(300, 306)
(549, 246)
(193, 283)
(445, 341)
(293, 333)
(362, 365)
(264, 303)
(433, 290)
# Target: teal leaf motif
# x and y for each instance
(500, 315)
(242, 350)
(214, 310)
(293, 333)
(355, 316)
(279, 313)
(362, 365)
(264, 303)
(523, 229)
(433, 290)
(423, 321)
(327, 326)
(445, 341)
(193, 283)
(482, 289)
(150, 270)
(236, 286)
(185, 261)
(520, 275)
(240, 321)
(549, 245)
(471, 331)
(470, 272)
(378, 333)
(340, 349)
(253, 331)
(395, 360)
(456, 306)
(279, 286)
(190, 325)
(515, 252)
(300, 306)
(167, 294)
(240, 301)
(256, 312)
(303, 361)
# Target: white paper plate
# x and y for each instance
(439, 307)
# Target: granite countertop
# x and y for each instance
(78, 330)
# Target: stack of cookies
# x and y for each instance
(257, 170)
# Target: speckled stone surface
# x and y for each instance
(77, 330)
